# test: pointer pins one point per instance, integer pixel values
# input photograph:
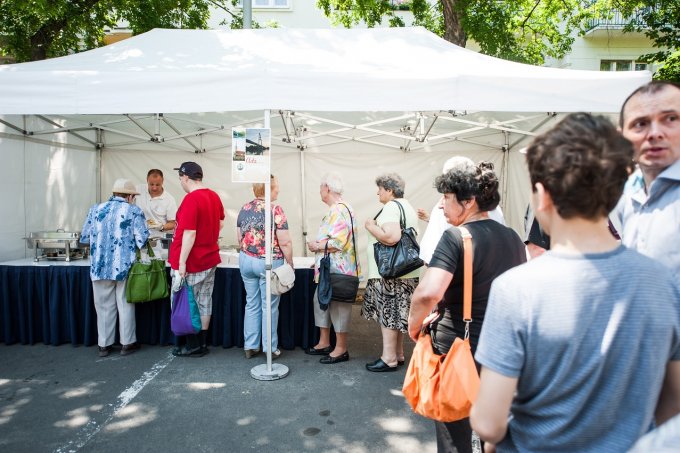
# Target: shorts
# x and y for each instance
(202, 283)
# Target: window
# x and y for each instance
(268, 3)
(621, 65)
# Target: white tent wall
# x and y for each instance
(47, 185)
(358, 169)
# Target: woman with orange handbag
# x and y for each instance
(469, 194)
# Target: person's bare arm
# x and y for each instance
(389, 233)
(286, 245)
(430, 291)
(489, 416)
(669, 398)
(188, 239)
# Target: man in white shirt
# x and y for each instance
(159, 207)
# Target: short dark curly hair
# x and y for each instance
(480, 183)
(583, 163)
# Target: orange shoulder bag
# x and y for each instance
(444, 387)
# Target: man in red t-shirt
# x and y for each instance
(194, 252)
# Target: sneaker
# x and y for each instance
(250, 353)
(130, 348)
(276, 354)
(104, 351)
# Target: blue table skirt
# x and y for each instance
(54, 305)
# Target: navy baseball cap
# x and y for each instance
(191, 169)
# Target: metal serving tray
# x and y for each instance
(57, 245)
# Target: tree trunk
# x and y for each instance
(40, 42)
(43, 38)
(453, 27)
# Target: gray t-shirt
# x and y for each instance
(589, 337)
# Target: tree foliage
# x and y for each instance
(38, 29)
(521, 30)
(659, 20)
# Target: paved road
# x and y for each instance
(62, 399)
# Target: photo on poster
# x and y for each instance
(251, 154)
(238, 143)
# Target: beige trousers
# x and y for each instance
(110, 304)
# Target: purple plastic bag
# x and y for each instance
(185, 318)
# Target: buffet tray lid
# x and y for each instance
(59, 234)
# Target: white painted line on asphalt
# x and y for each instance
(92, 427)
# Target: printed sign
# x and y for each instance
(250, 154)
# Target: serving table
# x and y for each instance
(51, 302)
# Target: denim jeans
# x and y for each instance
(255, 322)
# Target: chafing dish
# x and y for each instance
(57, 245)
(166, 239)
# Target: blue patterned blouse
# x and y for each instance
(114, 230)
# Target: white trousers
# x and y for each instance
(110, 303)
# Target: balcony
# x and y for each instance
(617, 21)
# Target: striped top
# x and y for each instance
(589, 337)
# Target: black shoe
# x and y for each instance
(323, 351)
(104, 351)
(375, 362)
(186, 351)
(130, 348)
(329, 359)
(379, 367)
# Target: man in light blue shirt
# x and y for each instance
(650, 214)
(114, 229)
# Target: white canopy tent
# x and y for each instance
(361, 102)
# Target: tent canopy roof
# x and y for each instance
(381, 69)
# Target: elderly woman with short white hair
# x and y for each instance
(336, 235)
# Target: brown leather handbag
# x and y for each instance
(444, 387)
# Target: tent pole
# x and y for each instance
(304, 200)
(98, 179)
(268, 371)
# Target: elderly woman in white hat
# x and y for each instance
(114, 229)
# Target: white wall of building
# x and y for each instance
(588, 51)
(299, 14)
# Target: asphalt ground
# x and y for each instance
(67, 399)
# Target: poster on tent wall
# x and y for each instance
(250, 154)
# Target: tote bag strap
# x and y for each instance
(351, 222)
(149, 251)
(402, 216)
(467, 279)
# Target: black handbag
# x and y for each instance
(337, 287)
(344, 288)
(401, 258)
